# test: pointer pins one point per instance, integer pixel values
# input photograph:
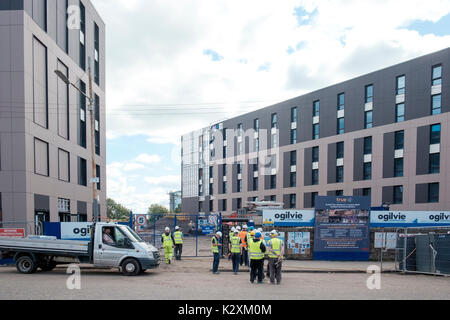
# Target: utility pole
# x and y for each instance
(94, 180)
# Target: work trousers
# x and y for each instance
(244, 257)
(216, 262)
(178, 251)
(168, 253)
(256, 270)
(275, 269)
(235, 259)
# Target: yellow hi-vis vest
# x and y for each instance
(235, 245)
(255, 250)
(275, 249)
(178, 237)
(167, 240)
(214, 249)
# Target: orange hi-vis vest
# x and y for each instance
(243, 236)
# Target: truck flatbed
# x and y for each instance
(56, 247)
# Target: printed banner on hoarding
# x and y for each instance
(288, 218)
(383, 219)
(342, 228)
(12, 232)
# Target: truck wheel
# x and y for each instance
(26, 264)
(130, 267)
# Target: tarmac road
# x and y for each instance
(192, 280)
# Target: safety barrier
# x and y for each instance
(424, 250)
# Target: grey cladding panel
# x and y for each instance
(388, 155)
(422, 193)
(358, 164)
(331, 172)
(423, 150)
(308, 167)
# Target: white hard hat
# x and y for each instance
(167, 229)
(219, 234)
(238, 228)
(274, 232)
(245, 226)
(177, 228)
(260, 229)
(233, 229)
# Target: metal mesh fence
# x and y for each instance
(423, 250)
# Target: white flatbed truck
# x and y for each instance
(127, 251)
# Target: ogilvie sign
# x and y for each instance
(409, 218)
(288, 218)
(305, 218)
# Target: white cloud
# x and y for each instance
(148, 159)
(169, 180)
(133, 166)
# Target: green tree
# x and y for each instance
(116, 211)
(156, 211)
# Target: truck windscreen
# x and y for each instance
(131, 234)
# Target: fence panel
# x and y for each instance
(424, 250)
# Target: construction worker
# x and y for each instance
(178, 238)
(244, 256)
(275, 252)
(215, 245)
(256, 249)
(235, 249)
(168, 244)
(230, 235)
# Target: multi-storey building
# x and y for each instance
(384, 135)
(45, 128)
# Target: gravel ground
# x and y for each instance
(191, 279)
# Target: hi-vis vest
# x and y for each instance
(243, 236)
(255, 250)
(178, 237)
(235, 245)
(275, 249)
(214, 249)
(167, 240)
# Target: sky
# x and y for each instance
(173, 67)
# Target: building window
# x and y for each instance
(211, 189)
(82, 172)
(41, 158)
(273, 182)
(433, 193)
(437, 75)
(341, 102)
(340, 150)
(294, 136)
(293, 156)
(82, 63)
(293, 180)
(239, 186)
(211, 205)
(256, 125)
(64, 210)
(274, 121)
(273, 198)
(316, 108)
(367, 171)
(315, 154)
(401, 85)
(39, 13)
(398, 167)
(294, 115)
(63, 102)
(316, 132)
(400, 112)
(398, 195)
(97, 124)
(369, 93)
(435, 136)
(367, 192)
(239, 203)
(339, 193)
(436, 104)
(97, 169)
(224, 187)
(63, 165)
(62, 31)
(341, 126)
(315, 177)
(82, 120)
(96, 54)
(435, 163)
(368, 119)
(255, 184)
(292, 201)
(367, 145)
(399, 140)
(40, 84)
(224, 152)
(314, 195)
(224, 205)
(339, 174)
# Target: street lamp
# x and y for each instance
(94, 180)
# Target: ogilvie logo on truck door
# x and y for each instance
(289, 216)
